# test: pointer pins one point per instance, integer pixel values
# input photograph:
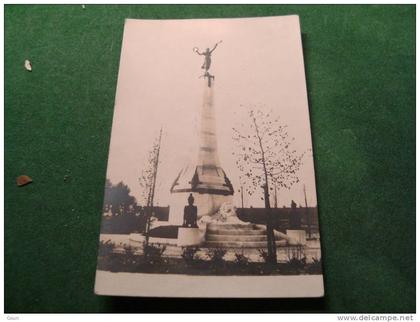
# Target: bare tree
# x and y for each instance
(147, 181)
(266, 159)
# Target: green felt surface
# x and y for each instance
(360, 64)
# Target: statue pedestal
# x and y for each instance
(298, 235)
(189, 236)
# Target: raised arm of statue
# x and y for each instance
(215, 46)
(195, 49)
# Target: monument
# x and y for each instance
(209, 219)
(204, 179)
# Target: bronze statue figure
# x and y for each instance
(190, 213)
(207, 56)
(207, 61)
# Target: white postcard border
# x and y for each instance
(174, 285)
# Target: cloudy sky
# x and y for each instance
(259, 63)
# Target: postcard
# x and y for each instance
(210, 188)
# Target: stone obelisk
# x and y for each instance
(205, 179)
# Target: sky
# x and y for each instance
(259, 63)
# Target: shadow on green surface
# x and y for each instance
(181, 305)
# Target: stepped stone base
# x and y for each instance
(238, 236)
(241, 244)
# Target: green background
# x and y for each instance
(360, 65)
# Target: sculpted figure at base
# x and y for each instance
(190, 213)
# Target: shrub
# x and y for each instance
(216, 256)
(153, 253)
(241, 259)
(129, 258)
(315, 267)
(263, 255)
(114, 263)
(266, 267)
(296, 264)
(188, 253)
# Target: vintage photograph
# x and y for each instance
(210, 171)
